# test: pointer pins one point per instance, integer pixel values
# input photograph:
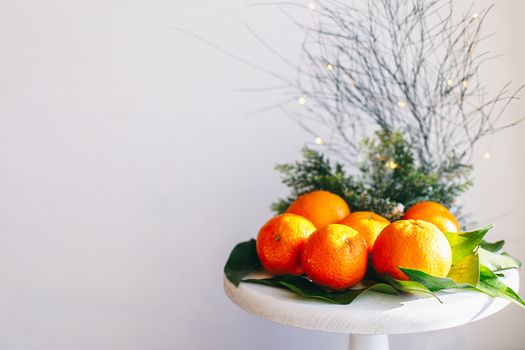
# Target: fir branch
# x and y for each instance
(315, 172)
(389, 180)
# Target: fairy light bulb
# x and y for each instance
(391, 164)
(450, 82)
(319, 141)
(465, 83)
(329, 67)
(301, 100)
(475, 15)
(401, 103)
(486, 155)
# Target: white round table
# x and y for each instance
(371, 317)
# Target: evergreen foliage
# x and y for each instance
(389, 178)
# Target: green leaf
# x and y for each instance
(410, 287)
(432, 283)
(243, 260)
(464, 243)
(498, 262)
(466, 270)
(308, 289)
(374, 186)
(492, 247)
(490, 284)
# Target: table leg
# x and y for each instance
(369, 342)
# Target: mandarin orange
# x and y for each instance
(368, 224)
(434, 213)
(320, 207)
(335, 257)
(280, 242)
(413, 244)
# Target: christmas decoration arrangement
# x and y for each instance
(374, 206)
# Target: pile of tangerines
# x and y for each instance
(319, 237)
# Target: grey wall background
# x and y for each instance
(129, 168)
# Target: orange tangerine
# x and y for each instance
(280, 242)
(320, 207)
(434, 213)
(413, 244)
(335, 257)
(368, 224)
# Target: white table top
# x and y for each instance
(371, 313)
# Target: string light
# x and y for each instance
(475, 15)
(450, 82)
(401, 103)
(311, 6)
(301, 100)
(319, 141)
(391, 164)
(486, 155)
(329, 67)
(465, 83)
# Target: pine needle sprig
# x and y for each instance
(389, 180)
(314, 172)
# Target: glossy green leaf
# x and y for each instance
(242, 261)
(464, 243)
(308, 289)
(490, 284)
(466, 270)
(432, 283)
(411, 287)
(492, 247)
(498, 262)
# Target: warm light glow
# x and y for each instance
(391, 164)
(450, 82)
(301, 101)
(329, 67)
(401, 103)
(475, 15)
(311, 6)
(486, 155)
(465, 83)
(319, 141)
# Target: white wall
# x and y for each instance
(128, 170)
